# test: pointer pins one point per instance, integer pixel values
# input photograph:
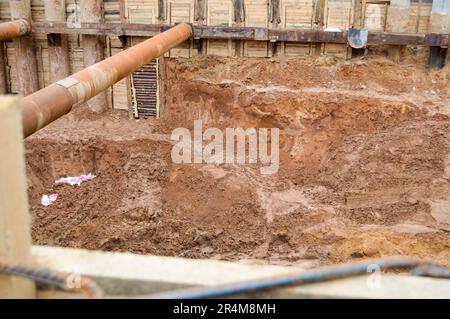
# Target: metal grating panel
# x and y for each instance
(145, 90)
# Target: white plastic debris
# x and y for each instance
(332, 29)
(47, 200)
(75, 180)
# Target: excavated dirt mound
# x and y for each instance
(364, 166)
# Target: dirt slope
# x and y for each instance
(364, 170)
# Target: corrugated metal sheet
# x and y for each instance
(145, 91)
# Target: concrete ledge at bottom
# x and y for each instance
(125, 274)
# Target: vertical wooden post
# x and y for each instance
(357, 15)
(123, 12)
(274, 20)
(3, 78)
(93, 47)
(239, 18)
(58, 44)
(320, 20)
(15, 236)
(200, 17)
(161, 62)
(26, 61)
(418, 15)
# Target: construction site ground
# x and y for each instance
(364, 166)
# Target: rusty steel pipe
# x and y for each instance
(44, 106)
(14, 29)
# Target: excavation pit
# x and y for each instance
(364, 166)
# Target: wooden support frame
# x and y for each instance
(244, 33)
(15, 238)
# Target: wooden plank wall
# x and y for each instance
(374, 15)
(220, 13)
(40, 40)
(420, 12)
(297, 14)
(181, 11)
(256, 14)
(338, 15)
(293, 14)
(138, 11)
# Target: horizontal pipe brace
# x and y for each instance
(241, 33)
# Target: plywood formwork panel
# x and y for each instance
(256, 15)
(419, 16)
(219, 13)
(338, 14)
(112, 12)
(181, 11)
(374, 16)
(142, 11)
(297, 14)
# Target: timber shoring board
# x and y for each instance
(126, 274)
(244, 33)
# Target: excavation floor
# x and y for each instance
(364, 166)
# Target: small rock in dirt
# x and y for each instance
(357, 254)
(370, 251)
(207, 250)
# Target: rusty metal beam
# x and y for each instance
(243, 33)
(43, 107)
(14, 29)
